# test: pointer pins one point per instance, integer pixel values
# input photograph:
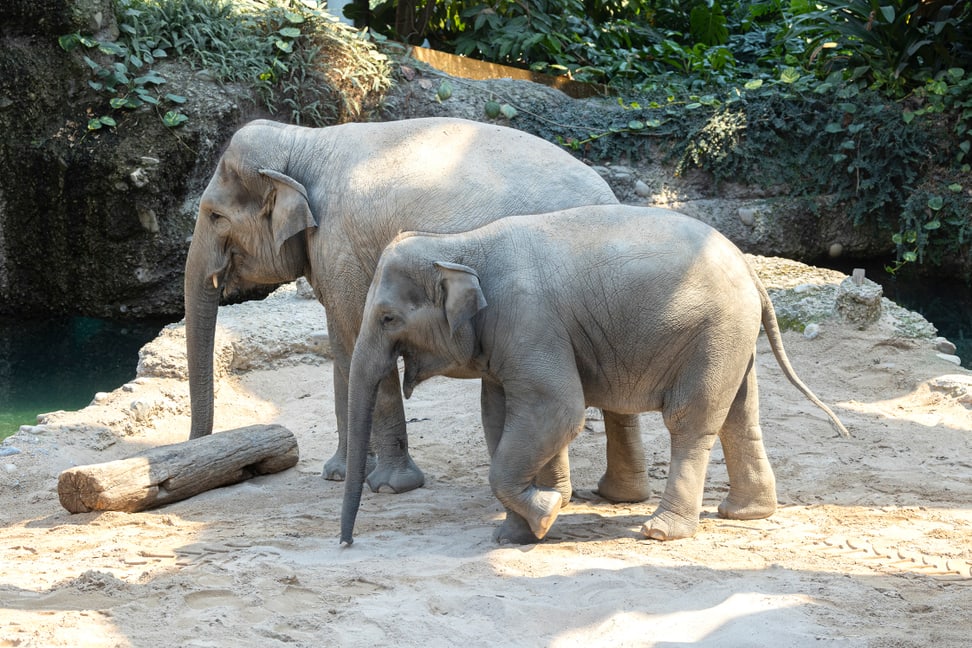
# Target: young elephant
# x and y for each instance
(624, 308)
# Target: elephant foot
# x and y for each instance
(514, 530)
(395, 476)
(624, 490)
(542, 510)
(756, 509)
(666, 525)
(336, 468)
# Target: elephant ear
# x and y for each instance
(463, 294)
(291, 212)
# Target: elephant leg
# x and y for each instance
(336, 467)
(389, 467)
(396, 472)
(752, 485)
(492, 400)
(555, 475)
(535, 435)
(694, 427)
(626, 477)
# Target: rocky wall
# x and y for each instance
(95, 222)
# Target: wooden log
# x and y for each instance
(174, 472)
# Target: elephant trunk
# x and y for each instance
(201, 303)
(369, 367)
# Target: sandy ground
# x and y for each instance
(872, 545)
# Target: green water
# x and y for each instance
(60, 363)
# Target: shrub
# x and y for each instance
(894, 45)
(304, 65)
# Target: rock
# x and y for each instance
(89, 223)
(642, 189)
(957, 386)
(282, 329)
(954, 359)
(859, 304)
(811, 331)
(142, 410)
(320, 343)
(944, 346)
(304, 289)
(747, 215)
(55, 19)
(7, 451)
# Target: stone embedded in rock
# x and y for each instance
(859, 304)
(304, 289)
(747, 215)
(944, 346)
(954, 359)
(957, 386)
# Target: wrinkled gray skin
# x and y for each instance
(624, 308)
(287, 201)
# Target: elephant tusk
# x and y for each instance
(215, 281)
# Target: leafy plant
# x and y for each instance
(126, 76)
(892, 44)
(934, 220)
(299, 60)
(889, 168)
(949, 93)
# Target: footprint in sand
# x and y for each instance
(205, 599)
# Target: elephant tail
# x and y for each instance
(772, 328)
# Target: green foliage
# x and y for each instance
(125, 75)
(866, 101)
(889, 166)
(892, 44)
(301, 62)
(594, 40)
(950, 94)
(934, 220)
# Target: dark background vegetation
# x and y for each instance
(866, 101)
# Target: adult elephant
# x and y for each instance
(288, 201)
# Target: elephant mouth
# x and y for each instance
(412, 375)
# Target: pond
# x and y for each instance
(60, 363)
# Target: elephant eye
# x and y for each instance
(220, 223)
(389, 320)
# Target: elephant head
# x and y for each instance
(249, 231)
(422, 311)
